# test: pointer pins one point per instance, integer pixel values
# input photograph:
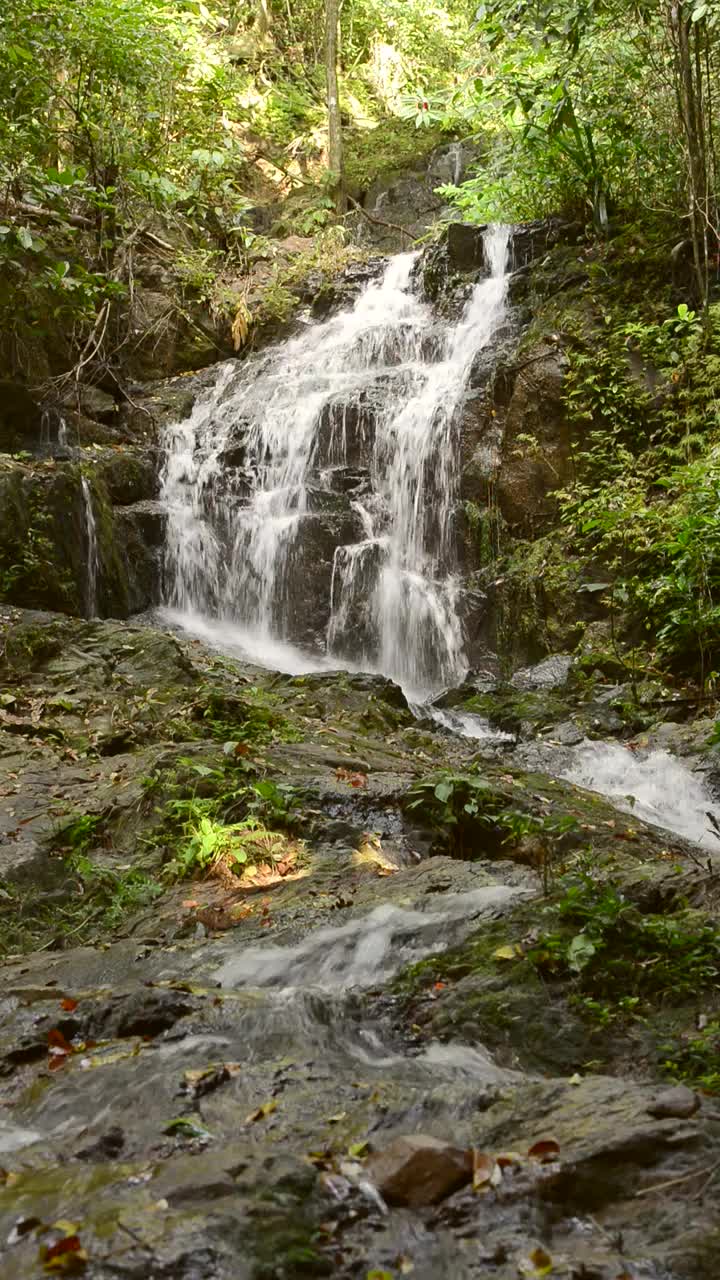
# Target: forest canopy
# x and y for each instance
(124, 119)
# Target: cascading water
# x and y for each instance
(311, 494)
(92, 551)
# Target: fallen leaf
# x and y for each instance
(22, 1227)
(506, 1159)
(547, 1149)
(58, 1041)
(357, 1150)
(510, 952)
(68, 1005)
(260, 1113)
(206, 1079)
(538, 1263)
(486, 1171)
(66, 1255)
(186, 1127)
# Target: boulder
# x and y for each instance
(553, 673)
(419, 1170)
(91, 402)
(164, 340)
(129, 476)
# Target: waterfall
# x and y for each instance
(312, 493)
(92, 551)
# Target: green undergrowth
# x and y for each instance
(586, 980)
(474, 816)
(616, 953)
(635, 532)
(94, 902)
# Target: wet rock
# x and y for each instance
(93, 403)
(354, 480)
(140, 536)
(419, 1170)
(107, 1147)
(466, 246)
(129, 476)
(531, 239)
(536, 408)
(553, 673)
(141, 1013)
(164, 340)
(345, 434)
(678, 1102)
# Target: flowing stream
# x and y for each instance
(312, 493)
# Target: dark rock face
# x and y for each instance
(532, 239)
(44, 534)
(164, 342)
(525, 399)
(303, 610)
(409, 199)
(20, 417)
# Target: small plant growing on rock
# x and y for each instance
(230, 851)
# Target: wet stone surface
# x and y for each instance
(213, 1097)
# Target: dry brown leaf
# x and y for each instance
(546, 1150)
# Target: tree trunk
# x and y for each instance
(264, 18)
(335, 148)
(689, 98)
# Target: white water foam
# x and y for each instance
(92, 552)
(366, 403)
(655, 787)
(366, 950)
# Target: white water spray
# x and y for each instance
(92, 551)
(312, 493)
(656, 787)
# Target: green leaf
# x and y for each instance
(186, 1127)
(580, 952)
(443, 791)
(25, 237)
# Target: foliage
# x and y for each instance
(470, 814)
(560, 88)
(210, 846)
(625, 957)
(97, 899)
(693, 1059)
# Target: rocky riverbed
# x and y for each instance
(372, 1056)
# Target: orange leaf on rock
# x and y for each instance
(68, 1005)
(58, 1041)
(67, 1255)
(545, 1150)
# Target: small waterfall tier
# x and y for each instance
(312, 494)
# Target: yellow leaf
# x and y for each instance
(537, 1264)
(241, 325)
(260, 1113)
(510, 952)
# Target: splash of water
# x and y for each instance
(312, 493)
(92, 560)
(369, 948)
(656, 787)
